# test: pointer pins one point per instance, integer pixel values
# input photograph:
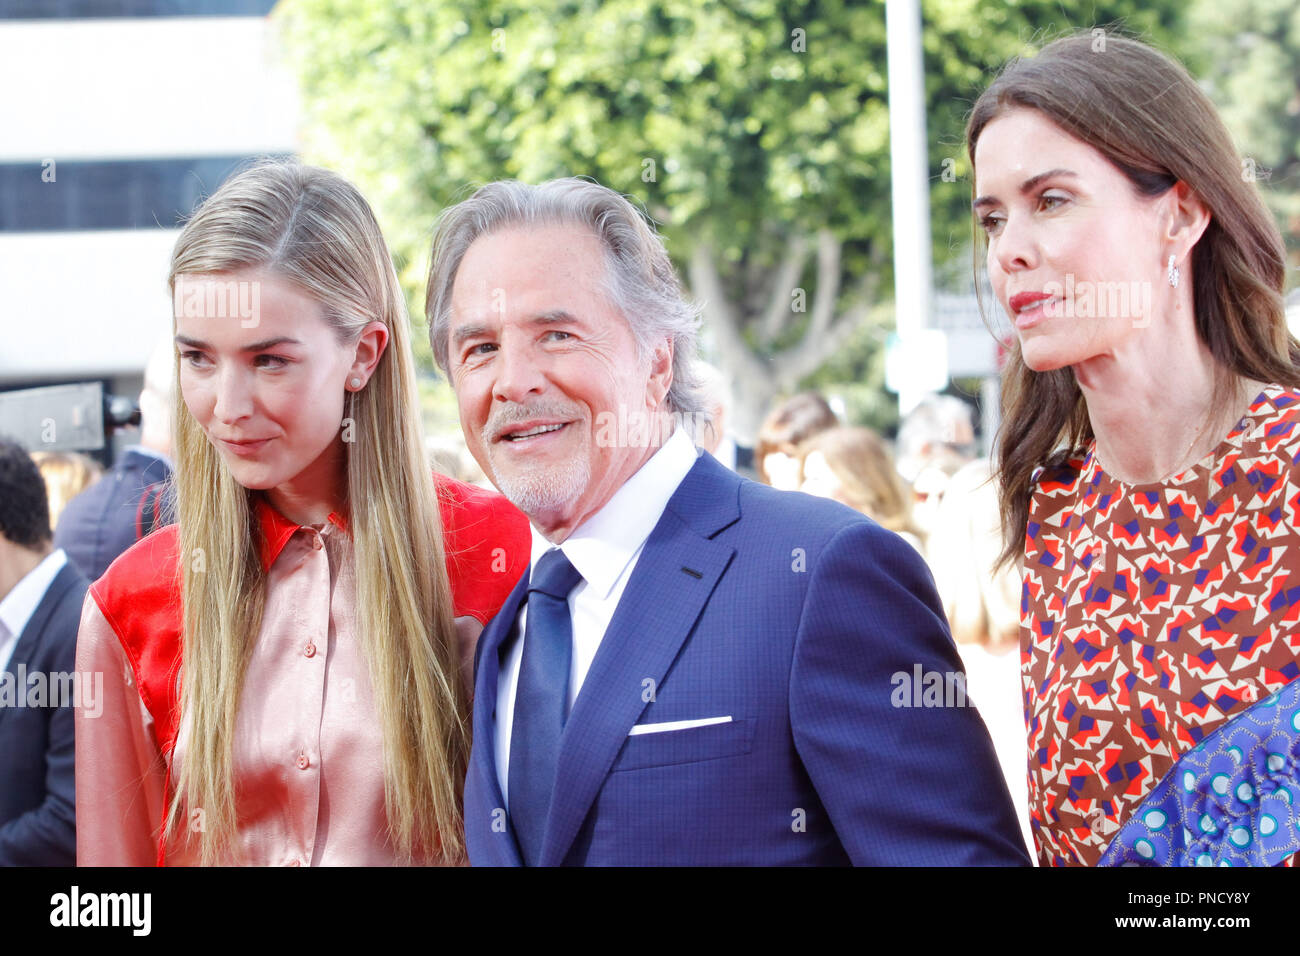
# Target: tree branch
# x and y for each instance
(778, 314)
(797, 363)
(828, 284)
(800, 361)
(706, 286)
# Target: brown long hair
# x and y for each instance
(311, 227)
(1143, 112)
(788, 425)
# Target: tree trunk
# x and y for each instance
(759, 378)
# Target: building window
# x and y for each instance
(108, 194)
(98, 9)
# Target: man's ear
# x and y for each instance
(370, 348)
(1187, 221)
(661, 372)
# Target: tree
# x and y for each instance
(1253, 74)
(755, 132)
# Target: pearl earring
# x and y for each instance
(1173, 273)
(356, 383)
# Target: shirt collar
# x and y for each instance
(277, 529)
(151, 453)
(18, 606)
(602, 546)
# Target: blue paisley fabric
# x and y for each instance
(1233, 800)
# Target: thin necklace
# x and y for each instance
(1096, 454)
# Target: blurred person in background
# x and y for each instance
(450, 456)
(1147, 460)
(66, 475)
(787, 426)
(715, 436)
(853, 466)
(935, 440)
(287, 667)
(130, 501)
(982, 602)
(40, 604)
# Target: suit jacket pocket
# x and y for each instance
(685, 746)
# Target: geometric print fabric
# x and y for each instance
(1150, 615)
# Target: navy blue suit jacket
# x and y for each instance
(101, 522)
(790, 615)
(37, 795)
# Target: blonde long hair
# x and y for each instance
(311, 227)
(862, 461)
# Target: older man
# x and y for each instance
(696, 669)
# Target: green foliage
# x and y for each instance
(1253, 75)
(708, 114)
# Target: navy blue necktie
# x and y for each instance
(540, 699)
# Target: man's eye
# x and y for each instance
(483, 348)
(558, 335)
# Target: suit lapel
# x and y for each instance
(487, 669)
(30, 638)
(673, 579)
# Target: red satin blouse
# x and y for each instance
(308, 747)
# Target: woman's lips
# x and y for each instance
(1029, 308)
(245, 449)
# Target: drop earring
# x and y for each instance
(1173, 273)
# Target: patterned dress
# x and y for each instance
(1158, 632)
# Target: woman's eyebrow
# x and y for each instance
(252, 347)
(1028, 186)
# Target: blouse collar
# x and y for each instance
(277, 529)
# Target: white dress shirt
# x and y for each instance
(18, 606)
(604, 550)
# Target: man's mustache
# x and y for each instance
(514, 413)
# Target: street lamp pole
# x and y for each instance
(910, 178)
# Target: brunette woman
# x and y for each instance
(1148, 460)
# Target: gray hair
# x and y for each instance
(937, 419)
(639, 279)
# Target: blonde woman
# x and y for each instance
(285, 666)
(854, 466)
